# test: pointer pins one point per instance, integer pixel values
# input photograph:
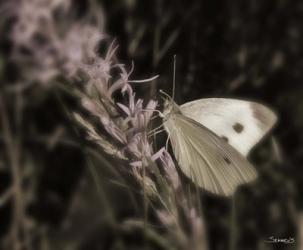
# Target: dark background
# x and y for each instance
(242, 49)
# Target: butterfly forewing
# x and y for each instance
(205, 158)
(240, 123)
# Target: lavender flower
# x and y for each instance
(128, 124)
(170, 170)
(66, 53)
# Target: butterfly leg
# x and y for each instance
(154, 117)
(153, 110)
(156, 132)
(166, 144)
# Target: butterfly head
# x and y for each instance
(170, 107)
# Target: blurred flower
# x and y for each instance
(196, 223)
(79, 50)
(44, 48)
(166, 218)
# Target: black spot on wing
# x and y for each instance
(227, 160)
(238, 127)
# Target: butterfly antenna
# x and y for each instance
(174, 78)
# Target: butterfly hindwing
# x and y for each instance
(205, 158)
(242, 124)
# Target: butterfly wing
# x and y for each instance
(205, 158)
(241, 123)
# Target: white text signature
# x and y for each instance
(272, 239)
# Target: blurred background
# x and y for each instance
(239, 49)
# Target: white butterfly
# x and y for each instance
(212, 137)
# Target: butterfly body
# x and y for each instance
(212, 137)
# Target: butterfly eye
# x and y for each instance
(167, 104)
